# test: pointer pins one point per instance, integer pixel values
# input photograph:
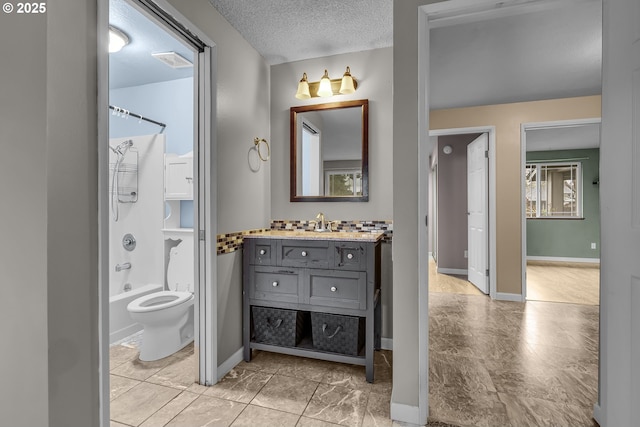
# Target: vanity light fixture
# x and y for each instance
(117, 39)
(326, 86)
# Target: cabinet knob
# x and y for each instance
(333, 289)
(304, 253)
(262, 251)
(349, 256)
(274, 284)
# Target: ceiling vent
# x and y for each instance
(172, 59)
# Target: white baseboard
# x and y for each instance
(458, 271)
(503, 296)
(405, 415)
(564, 259)
(230, 363)
(386, 343)
(597, 413)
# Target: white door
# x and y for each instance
(620, 216)
(477, 209)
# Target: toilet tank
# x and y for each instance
(180, 268)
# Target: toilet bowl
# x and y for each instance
(167, 316)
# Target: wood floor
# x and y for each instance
(575, 283)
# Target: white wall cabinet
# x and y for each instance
(178, 177)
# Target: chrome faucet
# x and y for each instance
(125, 266)
(321, 224)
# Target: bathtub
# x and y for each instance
(120, 323)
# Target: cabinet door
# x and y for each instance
(178, 178)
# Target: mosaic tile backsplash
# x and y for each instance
(231, 242)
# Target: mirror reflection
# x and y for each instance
(329, 149)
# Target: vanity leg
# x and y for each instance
(369, 344)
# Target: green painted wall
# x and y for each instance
(569, 238)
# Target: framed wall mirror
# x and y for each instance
(330, 152)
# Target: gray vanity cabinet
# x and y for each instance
(321, 274)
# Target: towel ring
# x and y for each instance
(257, 141)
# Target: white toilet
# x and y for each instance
(167, 316)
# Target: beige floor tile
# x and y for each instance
(266, 362)
(208, 411)
(348, 376)
(310, 422)
(240, 385)
(115, 424)
(139, 403)
(119, 354)
(310, 369)
(378, 412)
(524, 412)
(563, 282)
(138, 370)
(286, 394)
(119, 385)
(170, 410)
(337, 405)
(179, 373)
(253, 416)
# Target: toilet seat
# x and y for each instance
(159, 301)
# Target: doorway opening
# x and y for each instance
(462, 244)
(157, 200)
(561, 214)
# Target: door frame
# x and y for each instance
(524, 127)
(205, 148)
(491, 194)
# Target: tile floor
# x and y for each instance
(271, 390)
(491, 363)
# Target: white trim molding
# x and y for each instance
(458, 271)
(230, 363)
(503, 296)
(564, 259)
(386, 343)
(405, 413)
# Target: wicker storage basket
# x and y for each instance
(337, 333)
(277, 326)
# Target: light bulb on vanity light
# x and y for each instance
(303, 88)
(325, 85)
(348, 84)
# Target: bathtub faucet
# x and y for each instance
(125, 266)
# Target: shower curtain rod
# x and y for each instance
(137, 116)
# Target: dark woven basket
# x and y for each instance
(337, 333)
(277, 326)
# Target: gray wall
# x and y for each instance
(373, 71)
(244, 196)
(49, 171)
(452, 201)
(23, 191)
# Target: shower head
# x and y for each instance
(122, 148)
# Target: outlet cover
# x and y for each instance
(593, 245)
(466, 254)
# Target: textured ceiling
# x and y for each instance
(292, 30)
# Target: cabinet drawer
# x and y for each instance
(264, 252)
(274, 284)
(340, 289)
(350, 256)
(303, 253)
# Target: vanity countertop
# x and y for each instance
(314, 235)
